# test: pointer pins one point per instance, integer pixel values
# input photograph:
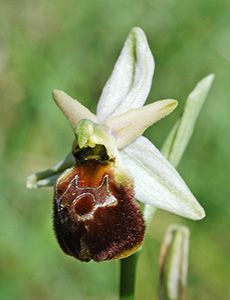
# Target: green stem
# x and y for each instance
(128, 276)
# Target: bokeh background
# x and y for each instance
(73, 45)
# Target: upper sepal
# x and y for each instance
(131, 79)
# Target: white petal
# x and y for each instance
(130, 81)
(134, 122)
(157, 182)
(72, 109)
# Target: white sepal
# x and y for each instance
(157, 182)
(72, 109)
(134, 122)
(180, 135)
(48, 181)
(130, 81)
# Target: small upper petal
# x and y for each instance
(134, 122)
(72, 109)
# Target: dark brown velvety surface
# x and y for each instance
(95, 217)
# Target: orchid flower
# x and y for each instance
(130, 161)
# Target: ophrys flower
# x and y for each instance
(96, 215)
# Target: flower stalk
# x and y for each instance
(128, 267)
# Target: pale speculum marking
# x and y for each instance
(88, 199)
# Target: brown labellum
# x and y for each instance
(96, 217)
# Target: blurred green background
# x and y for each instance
(73, 45)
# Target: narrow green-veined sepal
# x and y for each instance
(49, 176)
(177, 140)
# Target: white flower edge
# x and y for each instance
(157, 182)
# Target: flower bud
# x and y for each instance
(174, 263)
(95, 213)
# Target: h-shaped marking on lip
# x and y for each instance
(104, 181)
(109, 200)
